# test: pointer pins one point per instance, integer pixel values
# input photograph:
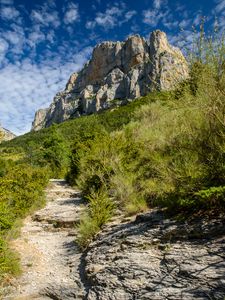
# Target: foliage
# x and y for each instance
(53, 153)
(21, 191)
(213, 196)
(100, 210)
(208, 49)
(9, 262)
(170, 154)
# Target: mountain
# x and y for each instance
(117, 72)
(6, 135)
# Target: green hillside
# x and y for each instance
(166, 149)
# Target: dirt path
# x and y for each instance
(49, 256)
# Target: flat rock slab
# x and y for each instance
(157, 258)
(49, 255)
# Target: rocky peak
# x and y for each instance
(39, 118)
(6, 135)
(117, 70)
(158, 42)
(71, 82)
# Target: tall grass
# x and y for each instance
(171, 153)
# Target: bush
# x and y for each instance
(99, 211)
(21, 192)
(52, 153)
(211, 197)
(9, 262)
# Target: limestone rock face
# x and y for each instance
(117, 71)
(6, 135)
(154, 257)
(39, 119)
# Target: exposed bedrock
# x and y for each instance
(117, 71)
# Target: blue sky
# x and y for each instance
(43, 42)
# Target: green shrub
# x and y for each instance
(87, 229)
(9, 262)
(21, 192)
(100, 210)
(211, 197)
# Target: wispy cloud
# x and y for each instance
(152, 17)
(32, 82)
(129, 15)
(30, 86)
(8, 13)
(46, 16)
(112, 17)
(158, 12)
(71, 13)
(159, 3)
(219, 12)
(6, 2)
(220, 6)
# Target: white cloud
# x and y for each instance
(29, 86)
(45, 16)
(31, 83)
(6, 2)
(220, 6)
(109, 18)
(90, 24)
(158, 3)
(106, 21)
(3, 46)
(71, 13)
(129, 15)
(8, 13)
(185, 23)
(219, 12)
(197, 19)
(3, 50)
(152, 17)
(35, 38)
(112, 17)
(159, 12)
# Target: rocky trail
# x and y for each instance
(149, 256)
(49, 256)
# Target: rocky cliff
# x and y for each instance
(6, 135)
(119, 71)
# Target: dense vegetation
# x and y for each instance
(21, 191)
(171, 154)
(166, 149)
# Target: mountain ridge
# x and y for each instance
(117, 71)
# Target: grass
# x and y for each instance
(100, 211)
